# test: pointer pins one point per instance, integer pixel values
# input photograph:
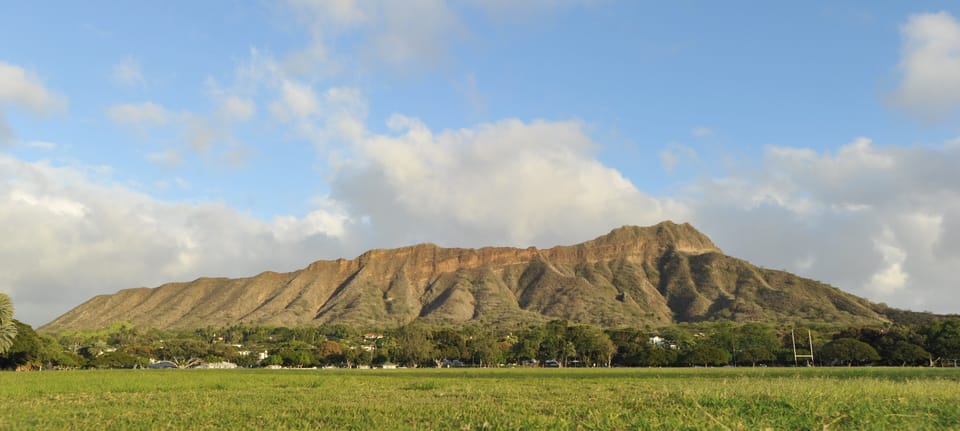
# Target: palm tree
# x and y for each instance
(8, 329)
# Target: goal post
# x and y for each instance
(797, 356)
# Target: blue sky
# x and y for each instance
(144, 143)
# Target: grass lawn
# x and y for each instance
(455, 399)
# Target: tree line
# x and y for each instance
(555, 343)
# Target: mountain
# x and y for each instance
(633, 276)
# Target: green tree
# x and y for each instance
(8, 329)
(450, 344)
(414, 347)
(943, 338)
(652, 355)
(682, 335)
(849, 351)
(593, 347)
(757, 343)
(358, 356)
(487, 350)
(297, 358)
(274, 359)
(117, 359)
(904, 353)
(121, 333)
(707, 355)
(248, 361)
(185, 352)
(629, 344)
(332, 352)
(897, 345)
(554, 344)
(28, 350)
(527, 346)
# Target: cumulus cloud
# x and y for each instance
(876, 221)
(146, 114)
(332, 118)
(930, 65)
(508, 182)
(21, 89)
(330, 219)
(891, 277)
(71, 233)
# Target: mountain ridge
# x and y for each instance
(632, 276)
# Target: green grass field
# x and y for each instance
(455, 399)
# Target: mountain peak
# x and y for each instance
(667, 234)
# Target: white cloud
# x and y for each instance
(128, 73)
(296, 101)
(930, 64)
(892, 276)
(508, 182)
(70, 233)
(330, 219)
(139, 114)
(331, 118)
(23, 90)
(858, 174)
(875, 221)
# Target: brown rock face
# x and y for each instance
(632, 276)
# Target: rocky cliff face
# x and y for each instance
(632, 276)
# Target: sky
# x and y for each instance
(150, 142)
